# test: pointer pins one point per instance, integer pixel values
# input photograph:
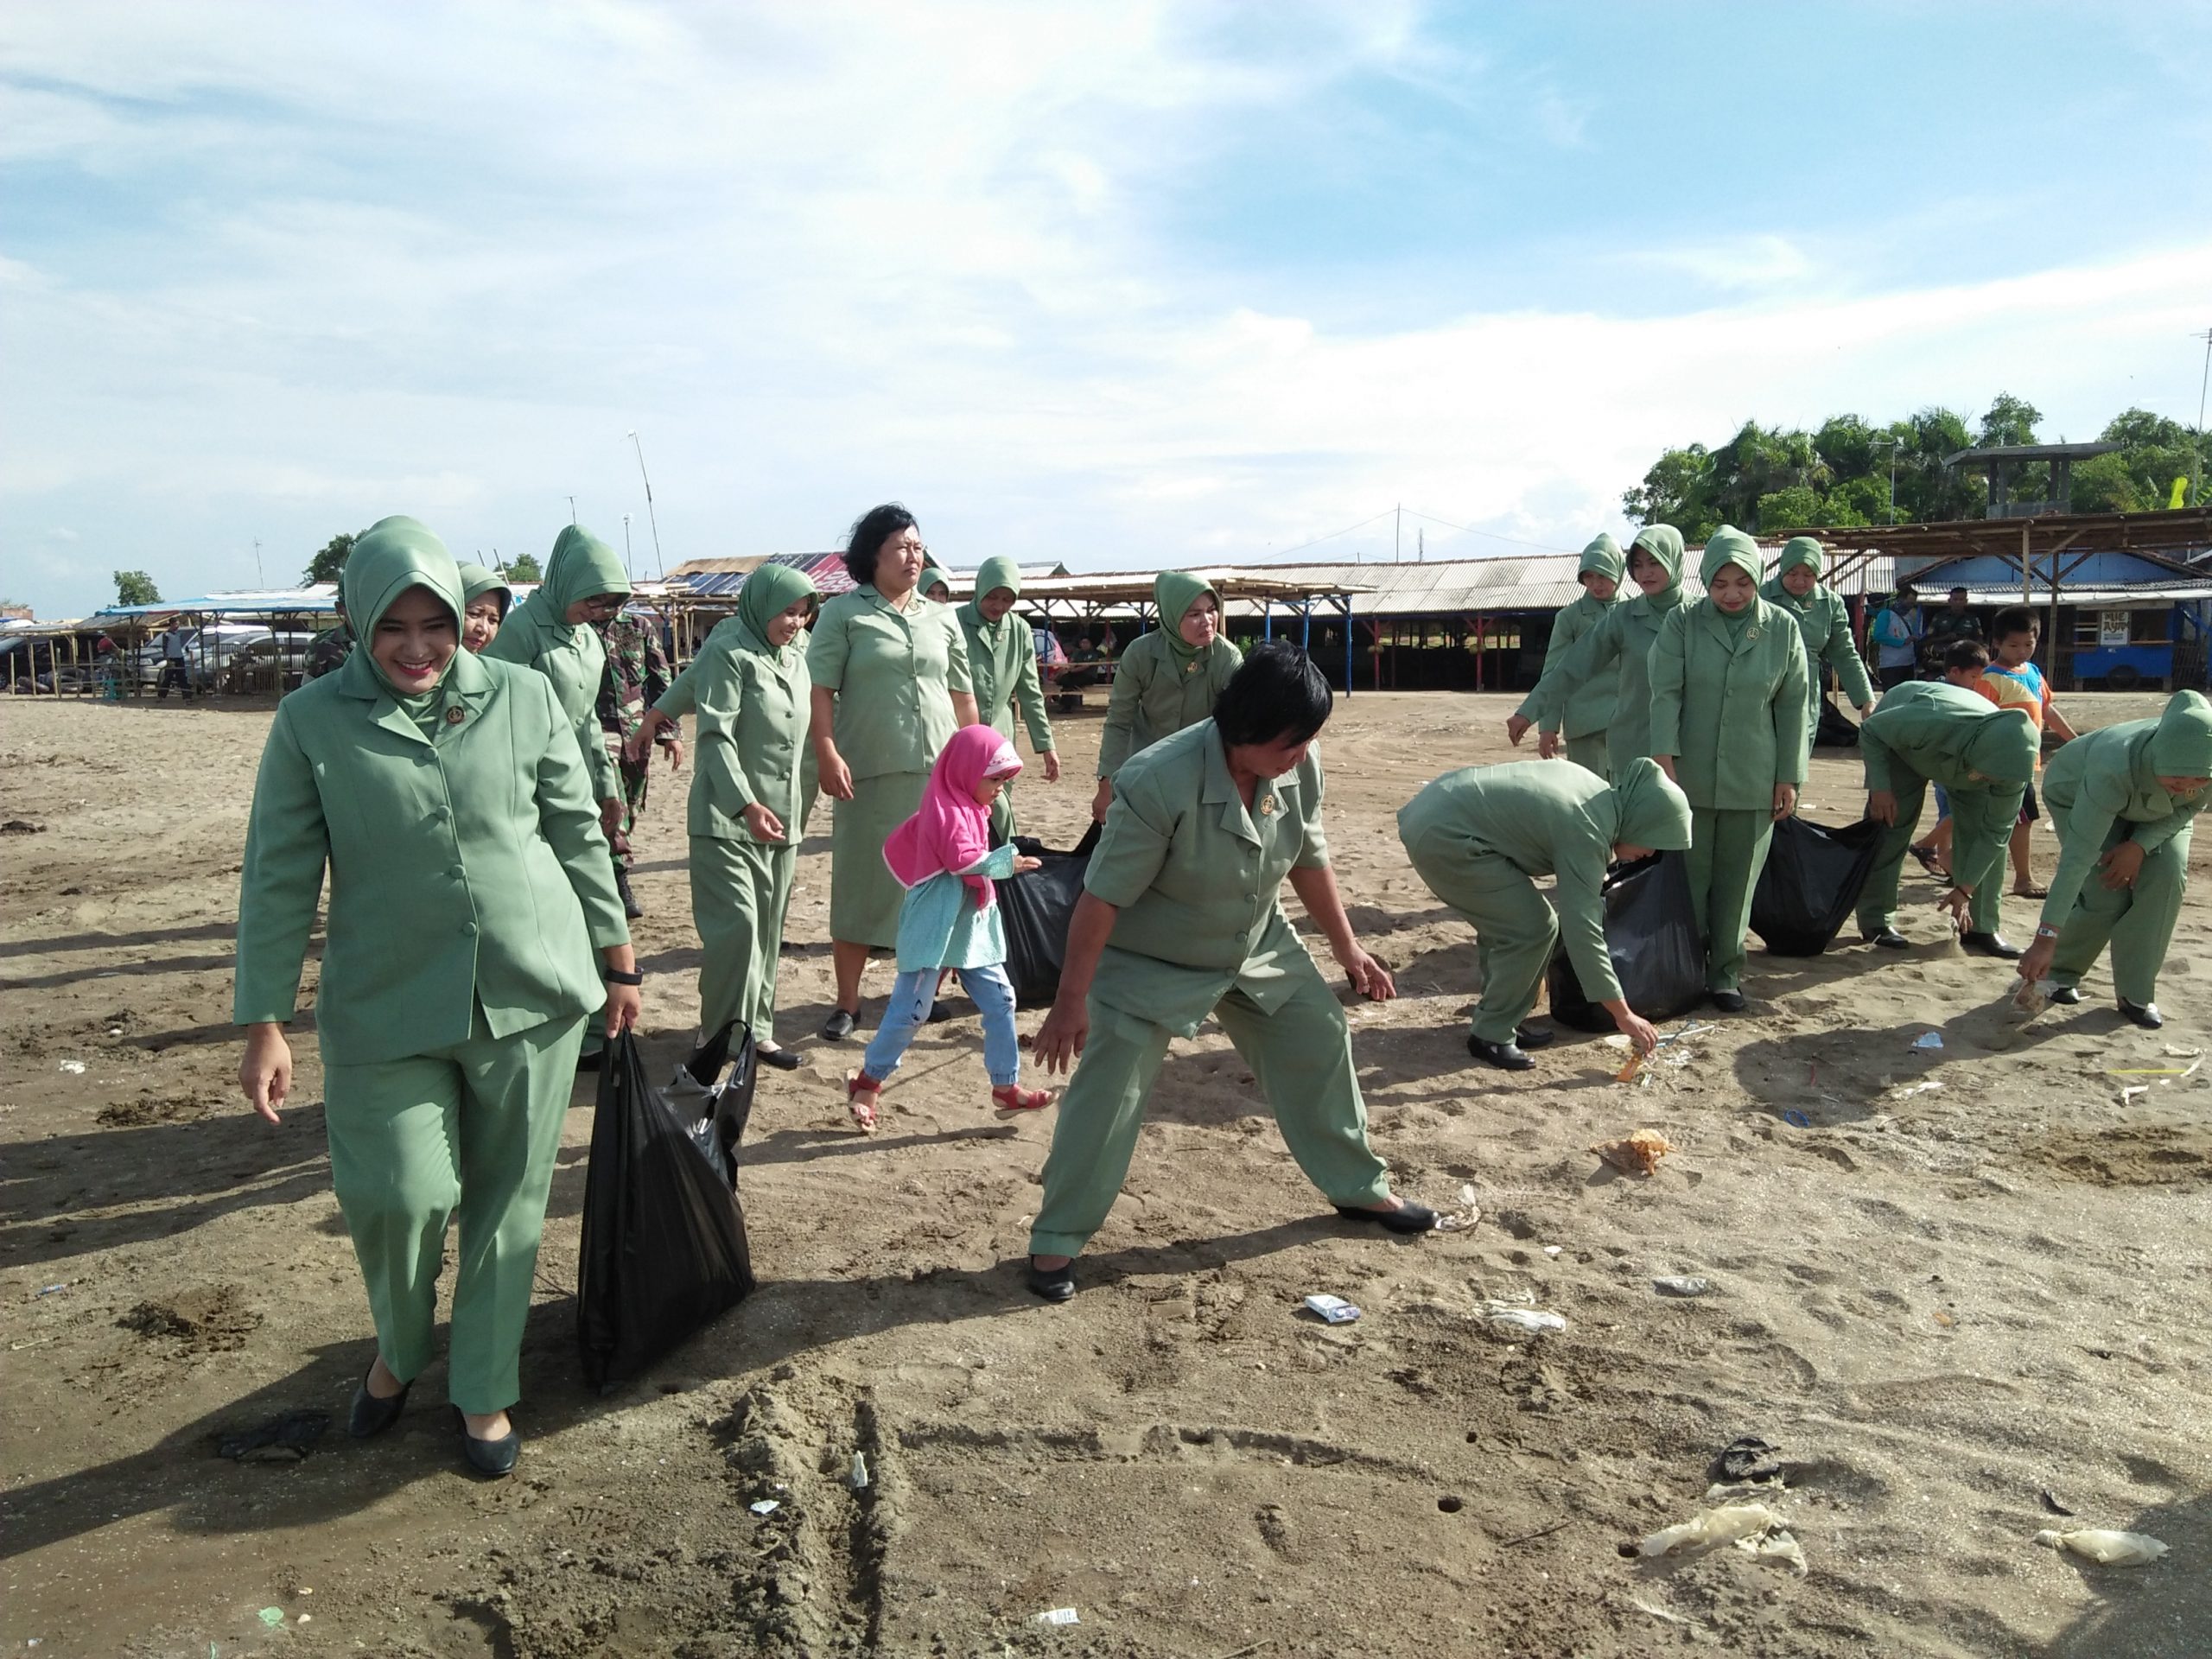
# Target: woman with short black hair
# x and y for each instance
(1181, 917)
(890, 686)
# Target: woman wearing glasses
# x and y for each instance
(890, 687)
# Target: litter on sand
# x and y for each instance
(2028, 996)
(1524, 1321)
(764, 1506)
(2105, 1548)
(1634, 1154)
(1681, 1286)
(1752, 1527)
(1057, 1616)
(272, 1616)
(1334, 1309)
(1924, 1086)
(1796, 1120)
(2128, 1093)
(1466, 1216)
(858, 1478)
(75, 1068)
(1928, 1040)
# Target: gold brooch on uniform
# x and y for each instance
(456, 714)
(1266, 804)
(1191, 667)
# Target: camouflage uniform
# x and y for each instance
(327, 651)
(637, 675)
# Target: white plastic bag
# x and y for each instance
(2107, 1547)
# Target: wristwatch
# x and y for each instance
(613, 977)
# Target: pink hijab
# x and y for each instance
(950, 832)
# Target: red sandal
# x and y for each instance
(858, 1085)
(1014, 1101)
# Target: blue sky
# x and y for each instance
(1125, 285)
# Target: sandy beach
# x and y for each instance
(1972, 1289)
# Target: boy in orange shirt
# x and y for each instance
(2013, 681)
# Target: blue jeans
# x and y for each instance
(913, 995)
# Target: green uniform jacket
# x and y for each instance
(1824, 626)
(1589, 709)
(538, 635)
(753, 712)
(1002, 661)
(1729, 709)
(1623, 635)
(894, 673)
(1931, 728)
(1544, 819)
(466, 871)
(1150, 701)
(1198, 880)
(2098, 780)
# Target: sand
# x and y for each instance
(1938, 1305)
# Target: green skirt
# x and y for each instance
(864, 896)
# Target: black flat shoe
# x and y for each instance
(2145, 1014)
(782, 1059)
(1990, 944)
(371, 1415)
(1408, 1217)
(837, 1026)
(1506, 1057)
(1053, 1284)
(630, 907)
(1727, 1002)
(1889, 939)
(489, 1457)
(2066, 995)
(1528, 1037)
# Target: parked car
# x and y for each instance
(208, 652)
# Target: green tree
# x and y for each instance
(328, 564)
(135, 588)
(524, 567)
(2156, 451)
(2010, 420)
(1850, 448)
(2103, 484)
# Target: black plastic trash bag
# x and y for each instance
(1037, 905)
(718, 1106)
(1835, 732)
(1651, 934)
(1811, 884)
(664, 1240)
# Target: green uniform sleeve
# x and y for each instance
(722, 773)
(570, 823)
(1666, 668)
(1313, 855)
(1578, 871)
(2158, 832)
(958, 675)
(1792, 729)
(1981, 831)
(604, 781)
(1841, 654)
(1029, 697)
(1132, 848)
(1119, 737)
(1589, 657)
(287, 845)
(1556, 651)
(682, 696)
(827, 648)
(1874, 754)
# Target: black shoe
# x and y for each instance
(1054, 1285)
(2066, 995)
(371, 1415)
(1527, 1037)
(1889, 939)
(782, 1059)
(2145, 1014)
(1727, 1002)
(1506, 1057)
(630, 907)
(1408, 1217)
(1991, 944)
(940, 1011)
(489, 1457)
(837, 1026)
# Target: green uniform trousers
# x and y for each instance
(1976, 819)
(2136, 921)
(1515, 933)
(1590, 753)
(471, 1130)
(864, 898)
(740, 890)
(1727, 851)
(1301, 1056)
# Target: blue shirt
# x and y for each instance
(940, 926)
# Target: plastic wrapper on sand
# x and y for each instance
(2105, 1548)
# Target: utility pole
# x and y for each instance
(2196, 470)
(626, 563)
(1397, 530)
(572, 508)
(1420, 546)
(650, 518)
(257, 575)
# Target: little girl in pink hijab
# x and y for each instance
(943, 857)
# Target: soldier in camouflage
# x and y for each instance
(637, 675)
(327, 651)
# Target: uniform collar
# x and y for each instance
(1272, 798)
(467, 688)
(1708, 618)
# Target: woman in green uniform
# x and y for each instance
(469, 886)
(890, 685)
(1585, 718)
(488, 600)
(553, 631)
(750, 687)
(1824, 626)
(2124, 801)
(1728, 725)
(1479, 835)
(1003, 660)
(933, 584)
(1167, 678)
(1619, 645)
(1926, 732)
(1181, 917)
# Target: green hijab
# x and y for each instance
(1664, 544)
(1801, 550)
(2182, 746)
(2004, 746)
(1603, 558)
(1730, 546)
(583, 567)
(769, 591)
(392, 556)
(476, 581)
(996, 572)
(931, 577)
(1654, 811)
(1174, 592)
